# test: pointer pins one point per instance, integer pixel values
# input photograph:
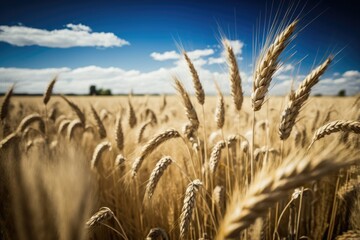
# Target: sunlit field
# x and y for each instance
(62, 180)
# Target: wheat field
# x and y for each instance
(183, 167)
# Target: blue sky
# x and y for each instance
(126, 45)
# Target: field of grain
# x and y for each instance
(183, 167)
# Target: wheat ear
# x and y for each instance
(48, 91)
(267, 64)
(271, 187)
(349, 235)
(219, 197)
(220, 109)
(336, 126)
(132, 115)
(99, 124)
(119, 135)
(156, 174)
(99, 149)
(235, 79)
(72, 126)
(142, 129)
(199, 91)
(28, 120)
(188, 207)
(216, 155)
(76, 109)
(100, 216)
(151, 146)
(189, 108)
(6, 103)
(298, 98)
(157, 233)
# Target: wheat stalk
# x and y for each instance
(72, 126)
(189, 108)
(63, 125)
(132, 115)
(216, 155)
(48, 91)
(151, 146)
(270, 187)
(6, 103)
(100, 216)
(188, 207)
(99, 149)
(30, 119)
(99, 124)
(199, 91)
(336, 126)
(119, 135)
(156, 174)
(267, 64)
(235, 79)
(76, 109)
(219, 197)
(141, 131)
(220, 109)
(298, 99)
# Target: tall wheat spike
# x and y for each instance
(6, 103)
(119, 135)
(132, 115)
(189, 108)
(220, 109)
(336, 126)
(267, 64)
(270, 187)
(235, 79)
(199, 91)
(142, 129)
(297, 100)
(48, 91)
(151, 146)
(156, 174)
(188, 207)
(99, 124)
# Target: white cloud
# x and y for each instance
(168, 55)
(352, 74)
(237, 47)
(73, 36)
(173, 55)
(78, 80)
(78, 27)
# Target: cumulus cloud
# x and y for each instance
(74, 35)
(237, 47)
(168, 55)
(173, 55)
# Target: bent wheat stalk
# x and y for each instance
(99, 125)
(270, 187)
(100, 216)
(189, 108)
(99, 149)
(298, 99)
(156, 174)
(76, 109)
(151, 146)
(199, 91)
(336, 126)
